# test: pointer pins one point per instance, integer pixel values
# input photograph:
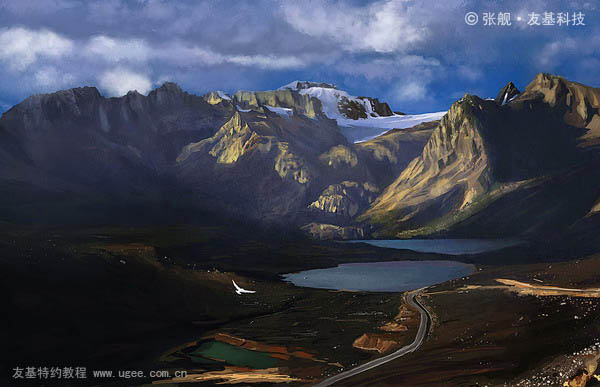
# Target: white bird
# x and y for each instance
(239, 290)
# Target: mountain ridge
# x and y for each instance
(484, 151)
(278, 157)
(273, 156)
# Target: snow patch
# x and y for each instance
(284, 112)
(239, 109)
(222, 95)
(329, 100)
(362, 129)
(369, 128)
(291, 86)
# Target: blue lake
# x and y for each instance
(399, 276)
(444, 246)
(395, 276)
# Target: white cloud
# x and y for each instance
(470, 73)
(558, 52)
(383, 26)
(174, 52)
(266, 61)
(551, 54)
(50, 78)
(117, 50)
(411, 91)
(181, 54)
(20, 47)
(119, 81)
(398, 66)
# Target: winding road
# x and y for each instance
(419, 338)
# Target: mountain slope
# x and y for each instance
(274, 156)
(390, 153)
(523, 166)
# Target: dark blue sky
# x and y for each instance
(420, 56)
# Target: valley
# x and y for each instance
(157, 233)
(299, 193)
(161, 311)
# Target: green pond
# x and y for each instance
(233, 355)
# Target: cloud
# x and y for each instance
(119, 81)
(411, 91)
(398, 66)
(551, 54)
(382, 26)
(21, 47)
(398, 50)
(266, 61)
(49, 78)
(180, 53)
(117, 50)
(556, 53)
(470, 73)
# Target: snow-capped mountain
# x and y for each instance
(361, 118)
(338, 103)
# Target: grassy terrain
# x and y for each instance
(122, 297)
(116, 297)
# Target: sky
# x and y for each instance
(417, 55)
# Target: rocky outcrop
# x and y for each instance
(381, 108)
(376, 342)
(299, 103)
(395, 332)
(576, 104)
(332, 231)
(507, 94)
(299, 85)
(393, 326)
(344, 200)
(363, 107)
(339, 156)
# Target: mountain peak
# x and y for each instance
(68, 97)
(167, 93)
(170, 87)
(299, 85)
(507, 93)
(544, 82)
(577, 102)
